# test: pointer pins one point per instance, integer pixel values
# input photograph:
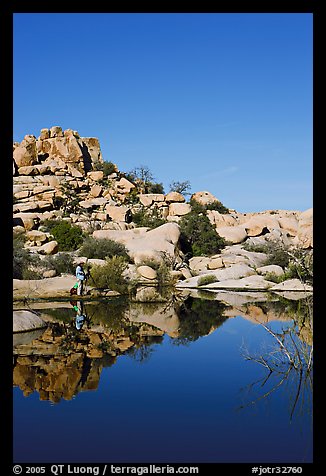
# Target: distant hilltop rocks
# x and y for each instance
(56, 151)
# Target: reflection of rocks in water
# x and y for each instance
(62, 361)
(257, 307)
(22, 338)
(162, 316)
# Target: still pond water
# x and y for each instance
(185, 380)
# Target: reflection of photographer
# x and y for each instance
(80, 316)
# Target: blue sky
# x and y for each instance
(223, 100)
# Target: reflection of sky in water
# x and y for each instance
(179, 405)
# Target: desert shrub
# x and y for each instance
(68, 201)
(277, 254)
(132, 197)
(218, 206)
(24, 261)
(198, 236)
(148, 218)
(256, 248)
(297, 262)
(162, 268)
(101, 249)
(107, 168)
(69, 237)
(61, 263)
(153, 187)
(199, 208)
(110, 275)
(207, 279)
(275, 278)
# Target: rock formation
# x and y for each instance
(60, 175)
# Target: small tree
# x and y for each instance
(144, 178)
(198, 236)
(180, 187)
(110, 275)
(141, 173)
(69, 237)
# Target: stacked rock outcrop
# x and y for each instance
(62, 175)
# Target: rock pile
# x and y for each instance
(62, 175)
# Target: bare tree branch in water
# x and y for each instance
(290, 356)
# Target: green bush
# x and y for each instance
(69, 237)
(198, 236)
(153, 187)
(107, 168)
(61, 263)
(148, 218)
(110, 275)
(277, 255)
(101, 249)
(24, 261)
(275, 278)
(217, 205)
(163, 269)
(297, 262)
(207, 279)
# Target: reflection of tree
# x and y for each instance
(197, 318)
(110, 313)
(288, 362)
(142, 351)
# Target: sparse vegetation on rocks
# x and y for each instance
(102, 249)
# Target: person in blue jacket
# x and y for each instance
(80, 276)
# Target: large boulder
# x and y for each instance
(143, 244)
(174, 197)
(179, 209)
(232, 234)
(204, 198)
(117, 213)
(258, 224)
(289, 224)
(234, 272)
(147, 272)
(271, 268)
(65, 148)
(305, 229)
(58, 286)
(25, 154)
(292, 285)
(222, 219)
(231, 255)
(155, 244)
(49, 248)
(249, 282)
(147, 199)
